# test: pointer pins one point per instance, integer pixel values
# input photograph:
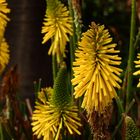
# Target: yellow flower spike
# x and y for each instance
(4, 55)
(3, 17)
(137, 66)
(48, 120)
(57, 113)
(3, 11)
(57, 26)
(95, 73)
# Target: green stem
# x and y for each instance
(121, 120)
(131, 53)
(73, 40)
(54, 67)
(119, 105)
(123, 90)
(137, 40)
(37, 87)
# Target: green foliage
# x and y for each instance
(114, 15)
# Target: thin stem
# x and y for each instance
(77, 18)
(131, 53)
(137, 40)
(37, 87)
(119, 105)
(54, 67)
(28, 103)
(121, 120)
(73, 40)
(123, 90)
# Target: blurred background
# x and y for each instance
(24, 36)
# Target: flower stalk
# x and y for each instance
(131, 53)
(54, 67)
(122, 117)
(72, 43)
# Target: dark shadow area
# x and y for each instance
(24, 36)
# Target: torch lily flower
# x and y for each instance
(57, 113)
(95, 73)
(57, 27)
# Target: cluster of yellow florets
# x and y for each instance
(56, 111)
(57, 27)
(95, 73)
(4, 48)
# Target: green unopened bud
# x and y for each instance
(132, 132)
(60, 96)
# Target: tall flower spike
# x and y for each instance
(57, 26)
(137, 66)
(3, 17)
(50, 117)
(95, 73)
(4, 55)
